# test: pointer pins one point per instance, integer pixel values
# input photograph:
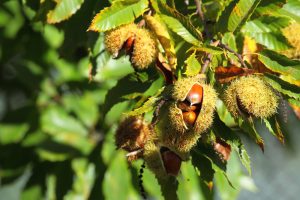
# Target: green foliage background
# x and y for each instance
(57, 127)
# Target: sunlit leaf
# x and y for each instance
(159, 28)
(12, 133)
(248, 127)
(236, 14)
(208, 49)
(274, 128)
(296, 106)
(65, 129)
(192, 65)
(234, 140)
(180, 24)
(147, 106)
(117, 179)
(267, 31)
(120, 12)
(189, 184)
(125, 86)
(283, 86)
(63, 10)
(280, 64)
(83, 180)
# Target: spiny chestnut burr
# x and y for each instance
(184, 86)
(140, 44)
(250, 95)
(199, 100)
(132, 134)
(145, 49)
(291, 33)
(153, 159)
(115, 38)
(184, 118)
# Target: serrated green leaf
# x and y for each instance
(120, 12)
(175, 25)
(65, 129)
(180, 24)
(12, 133)
(267, 31)
(63, 10)
(270, 7)
(156, 24)
(34, 138)
(283, 86)
(56, 120)
(291, 9)
(117, 179)
(147, 106)
(125, 86)
(204, 167)
(231, 138)
(236, 175)
(83, 181)
(189, 184)
(295, 102)
(217, 165)
(51, 156)
(236, 14)
(192, 65)
(229, 39)
(77, 104)
(248, 127)
(168, 187)
(280, 64)
(274, 128)
(51, 181)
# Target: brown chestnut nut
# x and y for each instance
(189, 118)
(172, 162)
(195, 94)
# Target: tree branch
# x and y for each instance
(202, 17)
(239, 56)
(207, 33)
(206, 63)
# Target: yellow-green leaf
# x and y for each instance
(160, 29)
(63, 10)
(192, 65)
(120, 12)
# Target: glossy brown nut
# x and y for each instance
(189, 118)
(195, 94)
(184, 106)
(128, 46)
(172, 162)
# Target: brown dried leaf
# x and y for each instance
(223, 149)
(226, 74)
